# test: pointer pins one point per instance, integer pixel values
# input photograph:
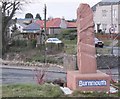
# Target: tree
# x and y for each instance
(29, 15)
(38, 16)
(9, 8)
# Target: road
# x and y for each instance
(13, 76)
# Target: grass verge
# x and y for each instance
(31, 90)
(48, 90)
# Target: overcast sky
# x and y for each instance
(55, 8)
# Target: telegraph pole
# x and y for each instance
(45, 49)
(45, 12)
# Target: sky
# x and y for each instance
(55, 8)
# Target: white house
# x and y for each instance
(19, 28)
(107, 17)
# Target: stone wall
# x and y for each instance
(103, 62)
(69, 62)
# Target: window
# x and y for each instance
(114, 13)
(104, 27)
(104, 13)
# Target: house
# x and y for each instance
(32, 31)
(56, 25)
(22, 23)
(23, 28)
(19, 24)
(41, 23)
(107, 16)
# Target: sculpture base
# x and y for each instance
(88, 82)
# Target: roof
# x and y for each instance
(106, 2)
(53, 23)
(71, 24)
(110, 0)
(56, 23)
(22, 22)
(32, 27)
(40, 22)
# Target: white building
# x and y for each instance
(107, 15)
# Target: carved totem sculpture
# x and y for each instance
(85, 42)
(87, 78)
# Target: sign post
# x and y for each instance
(112, 31)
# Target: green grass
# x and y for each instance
(107, 42)
(103, 51)
(70, 46)
(47, 90)
(90, 94)
(31, 90)
(70, 42)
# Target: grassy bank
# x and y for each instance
(47, 90)
(31, 90)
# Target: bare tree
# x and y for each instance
(9, 8)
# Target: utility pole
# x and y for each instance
(45, 12)
(45, 49)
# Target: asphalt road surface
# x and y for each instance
(14, 76)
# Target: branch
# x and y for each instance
(15, 7)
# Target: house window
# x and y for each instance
(104, 27)
(104, 13)
(114, 13)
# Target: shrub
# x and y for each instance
(69, 34)
(21, 43)
(32, 43)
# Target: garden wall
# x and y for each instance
(103, 62)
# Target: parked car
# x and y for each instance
(98, 43)
(53, 40)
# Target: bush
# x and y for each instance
(72, 36)
(21, 43)
(69, 34)
(32, 43)
(42, 59)
(55, 47)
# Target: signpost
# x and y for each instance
(112, 30)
